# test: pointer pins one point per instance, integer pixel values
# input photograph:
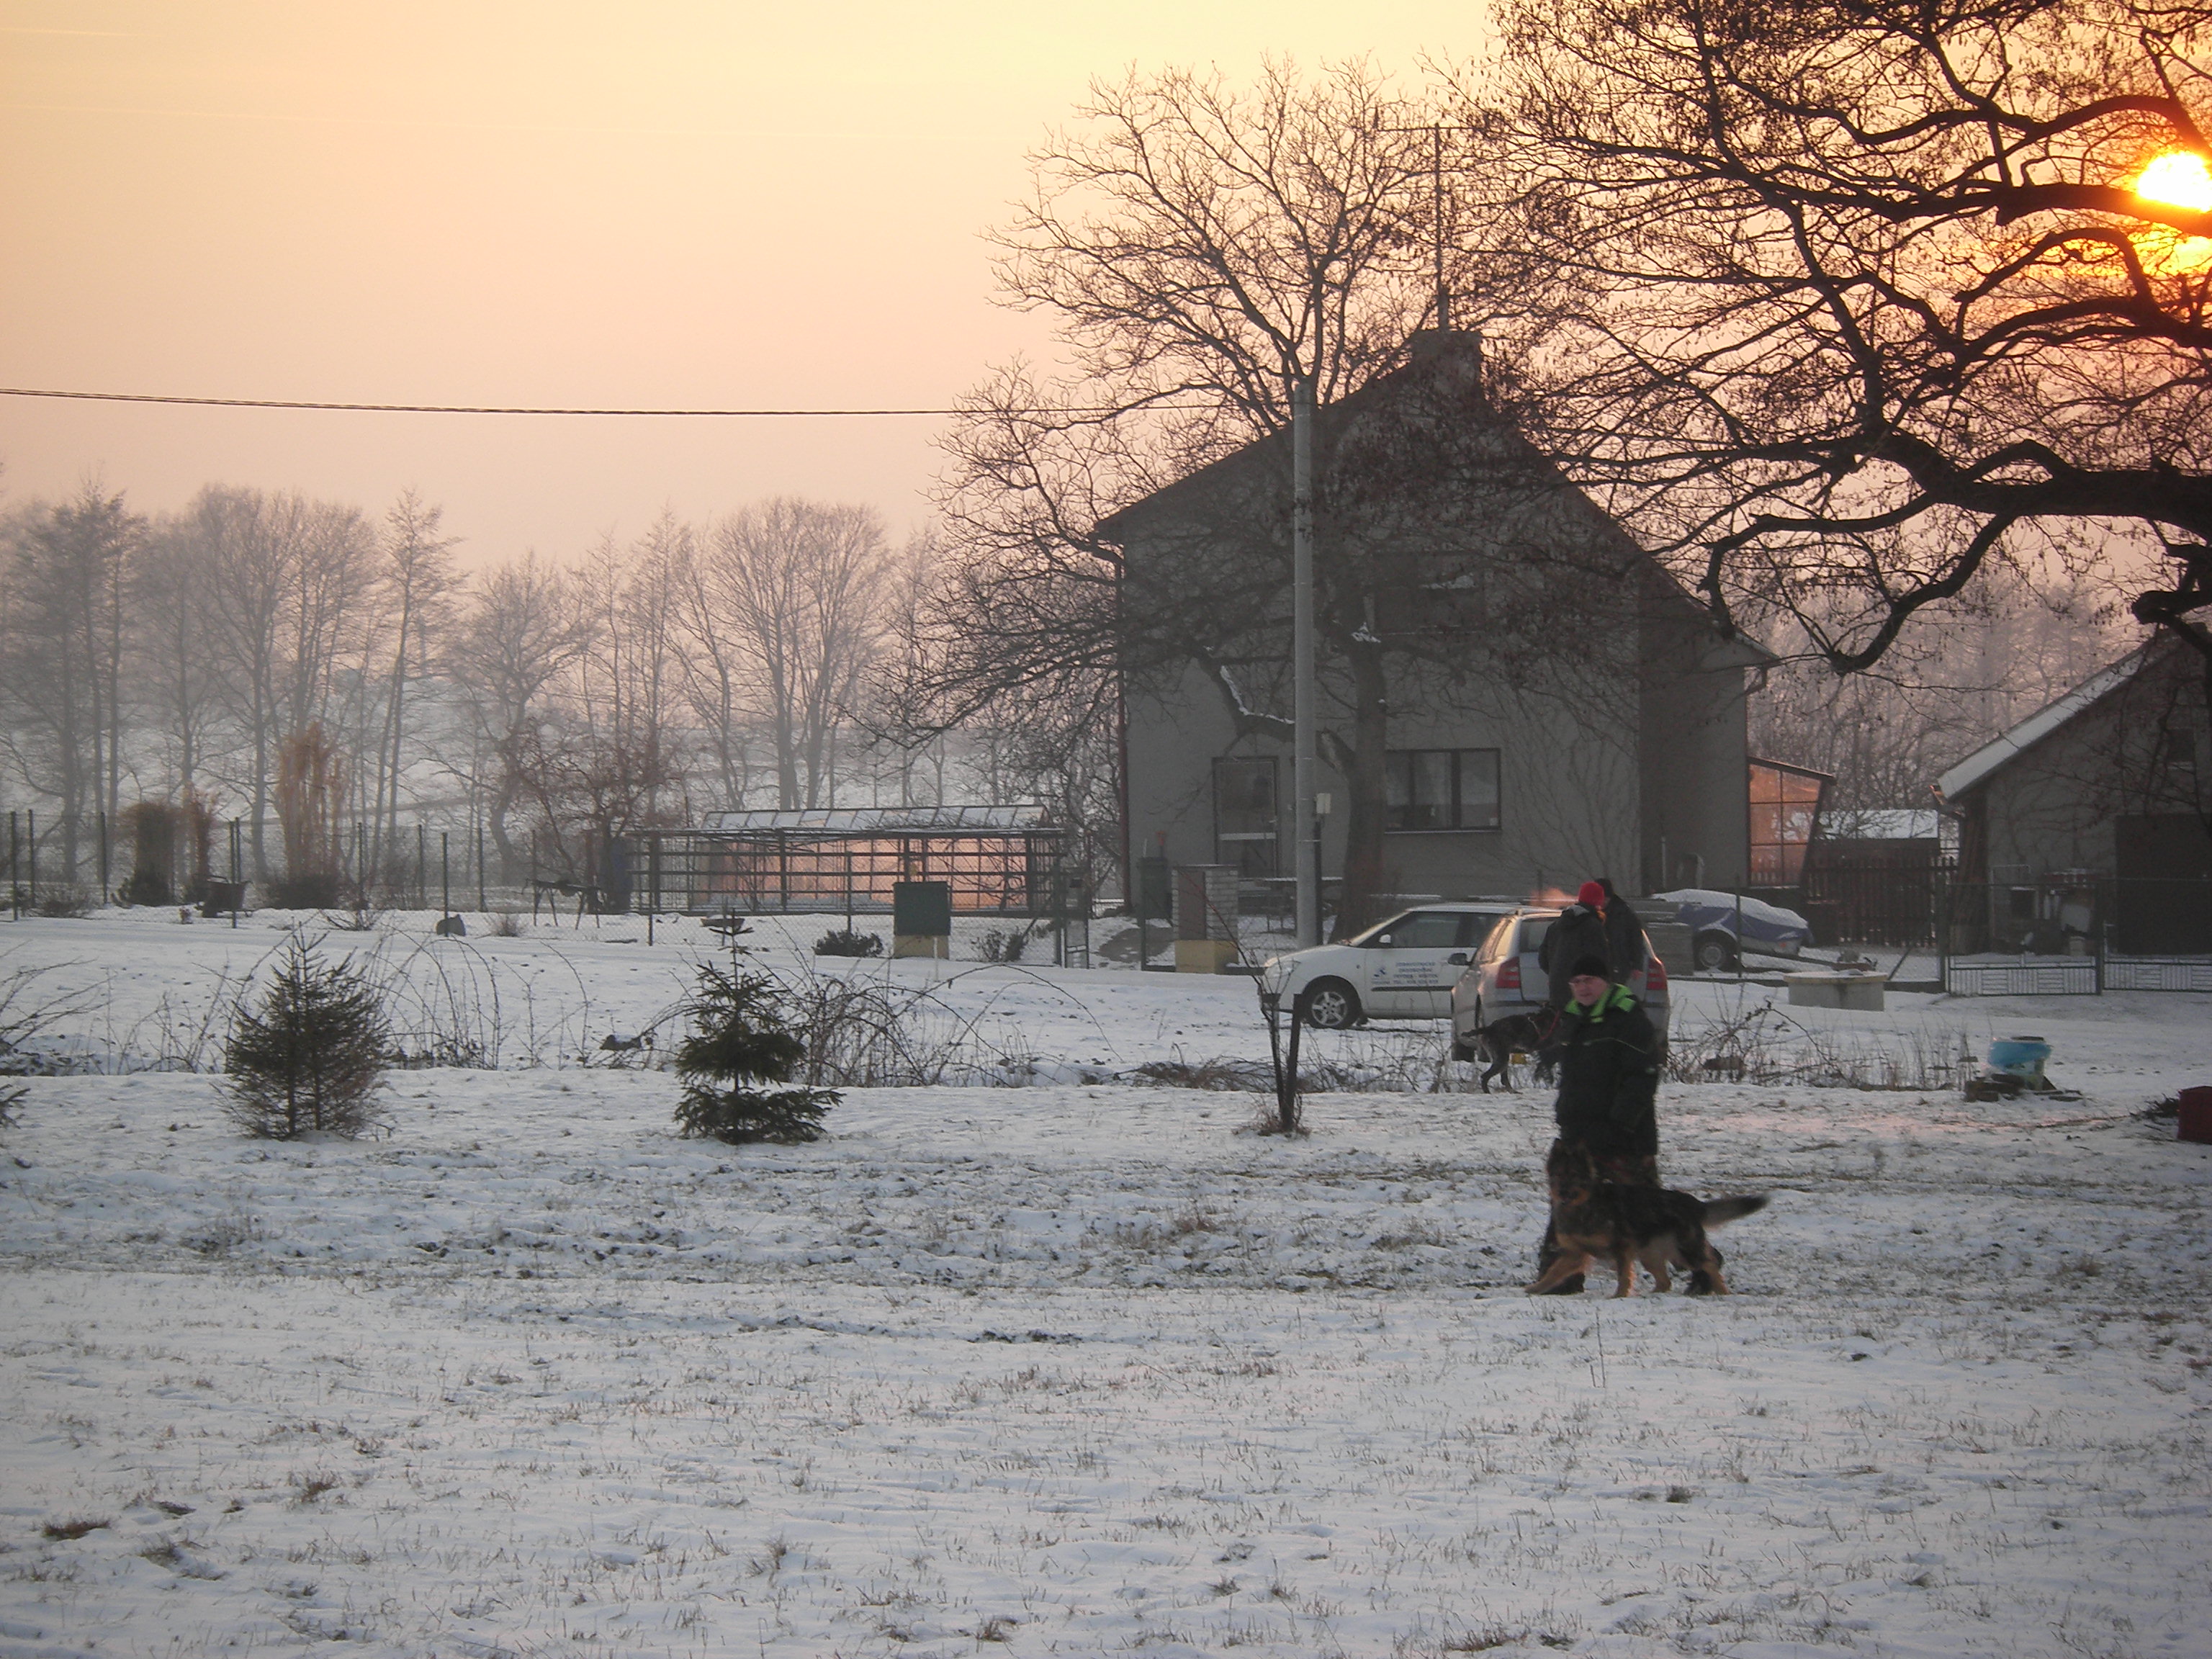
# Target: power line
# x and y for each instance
(446, 409)
(517, 409)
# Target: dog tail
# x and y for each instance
(1721, 1211)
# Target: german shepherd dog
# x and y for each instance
(1661, 1229)
(1516, 1034)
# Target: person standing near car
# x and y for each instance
(1624, 934)
(1580, 932)
(1607, 1103)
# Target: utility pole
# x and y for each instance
(1305, 772)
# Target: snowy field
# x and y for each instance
(1076, 1367)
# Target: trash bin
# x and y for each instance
(1205, 917)
(2195, 1122)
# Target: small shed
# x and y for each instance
(998, 860)
(2087, 829)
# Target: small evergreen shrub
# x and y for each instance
(739, 1044)
(846, 942)
(312, 1055)
(1002, 945)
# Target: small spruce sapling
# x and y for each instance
(311, 1057)
(739, 1044)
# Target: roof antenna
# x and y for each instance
(1437, 182)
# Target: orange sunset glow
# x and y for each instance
(673, 204)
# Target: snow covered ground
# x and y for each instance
(1076, 1367)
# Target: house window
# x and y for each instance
(1245, 816)
(1784, 804)
(1440, 789)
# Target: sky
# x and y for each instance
(651, 205)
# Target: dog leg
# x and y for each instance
(1565, 1266)
(1660, 1284)
(1624, 1269)
(1707, 1280)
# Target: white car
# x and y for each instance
(1402, 969)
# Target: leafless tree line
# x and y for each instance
(331, 680)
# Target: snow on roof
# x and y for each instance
(2037, 726)
(832, 820)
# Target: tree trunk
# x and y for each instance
(1365, 873)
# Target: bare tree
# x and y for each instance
(1873, 297)
(64, 651)
(289, 579)
(607, 760)
(417, 579)
(517, 632)
(1208, 252)
(170, 588)
(795, 590)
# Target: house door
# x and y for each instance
(1245, 818)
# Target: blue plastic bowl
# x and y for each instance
(2022, 1056)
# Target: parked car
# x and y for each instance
(1402, 969)
(1505, 978)
(1712, 917)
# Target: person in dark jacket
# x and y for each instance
(1608, 1103)
(1579, 932)
(1624, 934)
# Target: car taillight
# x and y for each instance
(1655, 977)
(1509, 973)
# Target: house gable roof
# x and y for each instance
(2001, 750)
(1437, 354)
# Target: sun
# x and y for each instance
(2178, 178)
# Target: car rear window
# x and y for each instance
(1533, 931)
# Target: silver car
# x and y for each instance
(1505, 979)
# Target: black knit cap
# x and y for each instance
(1591, 963)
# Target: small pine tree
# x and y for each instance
(849, 942)
(738, 1043)
(312, 1056)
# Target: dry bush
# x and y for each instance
(1765, 1045)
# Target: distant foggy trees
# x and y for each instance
(1942, 691)
(798, 589)
(61, 656)
(332, 680)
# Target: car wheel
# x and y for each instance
(1332, 1005)
(1715, 952)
